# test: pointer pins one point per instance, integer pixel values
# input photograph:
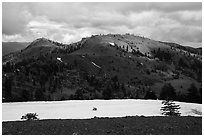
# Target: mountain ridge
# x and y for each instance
(101, 66)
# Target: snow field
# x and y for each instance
(83, 109)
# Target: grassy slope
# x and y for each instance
(104, 126)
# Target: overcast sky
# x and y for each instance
(69, 22)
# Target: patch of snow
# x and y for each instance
(83, 109)
(59, 59)
(96, 65)
(113, 44)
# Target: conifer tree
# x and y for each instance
(170, 108)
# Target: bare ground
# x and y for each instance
(105, 126)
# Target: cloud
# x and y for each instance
(175, 6)
(125, 8)
(188, 17)
(14, 18)
(69, 22)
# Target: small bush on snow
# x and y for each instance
(30, 116)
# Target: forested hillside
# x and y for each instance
(103, 67)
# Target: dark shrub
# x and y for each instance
(150, 95)
(193, 95)
(107, 92)
(168, 92)
(30, 116)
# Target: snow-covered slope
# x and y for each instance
(83, 109)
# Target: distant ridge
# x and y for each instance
(8, 47)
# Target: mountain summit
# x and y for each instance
(41, 42)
